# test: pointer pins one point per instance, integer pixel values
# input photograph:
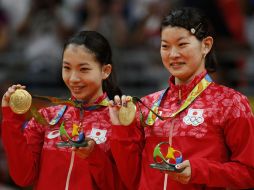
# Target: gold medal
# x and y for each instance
(20, 101)
(127, 114)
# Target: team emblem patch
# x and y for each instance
(98, 135)
(194, 117)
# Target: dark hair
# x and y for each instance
(196, 22)
(99, 46)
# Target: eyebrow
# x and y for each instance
(81, 64)
(179, 39)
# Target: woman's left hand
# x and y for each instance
(114, 107)
(84, 152)
(185, 175)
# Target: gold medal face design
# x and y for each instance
(20, 101)
(127, 114)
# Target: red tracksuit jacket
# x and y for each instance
(216, 133)
(35, 160)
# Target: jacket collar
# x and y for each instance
(97, 101)
(184, 89)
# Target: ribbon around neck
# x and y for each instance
(153, 112)
(66, 102)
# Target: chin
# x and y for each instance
(78, 97)
(178, 75)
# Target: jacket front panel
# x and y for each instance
(208, 133)
(51, 167)
(58, 159)
(203, 130)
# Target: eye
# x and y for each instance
(182, 44)
(164, 46)
(65, 67)
(84, 69)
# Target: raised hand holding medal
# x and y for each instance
(127, 113)
(21, 102)
(122, 110)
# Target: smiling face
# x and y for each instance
(82, 73)
(183, 55)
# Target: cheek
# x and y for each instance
(65, 78)
(91, 79)
(164, 56)
(195, 52)
(98, 81)
(195, 60)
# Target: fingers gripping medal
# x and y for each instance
(20, 101)
(127, 114)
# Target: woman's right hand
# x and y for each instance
(114, 107)
(9, 92)
(84, 152)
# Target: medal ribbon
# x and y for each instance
(74, 103)
(66, 102)
(103, 103)
(197, 90)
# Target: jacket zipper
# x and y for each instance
(70, 170)
(73, 157)
(179, 96)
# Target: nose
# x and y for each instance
(173, 52)
(74, 77)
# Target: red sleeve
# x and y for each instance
(126, 145)
(101, 168)
(22, 159)
(239, 171)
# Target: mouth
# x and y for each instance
(76, 89)
(176, 65)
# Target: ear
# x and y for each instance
(207, 44)
(106, 70)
